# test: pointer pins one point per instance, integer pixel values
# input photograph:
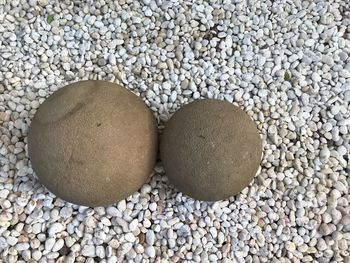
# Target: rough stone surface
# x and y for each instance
(210, 149)
(93, 143)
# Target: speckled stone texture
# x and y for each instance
(210, 149)
(93, 143)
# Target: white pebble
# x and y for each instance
(55, 228)
(88, 251)
(150, 251)
(133, 225)
(130, 237)
(150, 237)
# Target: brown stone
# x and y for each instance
(210, 150)
(93, 143)
(142, 238)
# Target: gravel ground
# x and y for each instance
(285, 62)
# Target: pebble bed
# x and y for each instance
(286, 63)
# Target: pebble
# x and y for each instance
(49, 243)
(22, 246)
(150, 237)
(321, 244)
(150, 251)
(133, 225)
(173, 96)
(346, 220)
(316, 77)
(11, 241)
(213, 258)
(310, 42)
(58, 245)
(130, 237)
(121, 205)
(324, 230)
(347, 96)
(112, 60)
(148, 12)
(125, 248)
(290, 246)
(262, 93)
(345, 73)
(325, 154)
(88, 251)
(196, 95)
(100, 252)
(36, 255)
(328, 60)
(55, 228)
(152, 206)
(112, 211)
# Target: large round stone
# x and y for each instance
(93, 143)
(210, 150)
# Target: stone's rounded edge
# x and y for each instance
(170, 137)
(148, 151)
(60, 109)
(85, 91)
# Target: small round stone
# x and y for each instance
(93, 143)
(210, 149)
